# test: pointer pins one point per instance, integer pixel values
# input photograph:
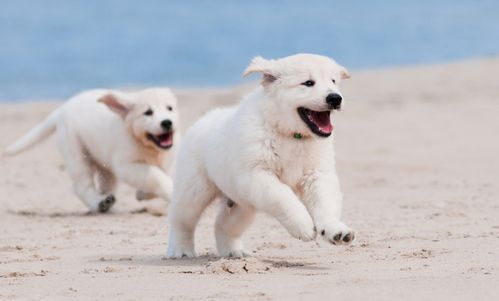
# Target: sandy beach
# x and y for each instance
(417, 156)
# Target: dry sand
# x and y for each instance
(417, 151)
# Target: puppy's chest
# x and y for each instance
(289, 160)
(154, 157)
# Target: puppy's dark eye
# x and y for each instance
(308, 83)
(169, 108)
(148, 112)
(334, 81)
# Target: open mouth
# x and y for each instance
(163, 141)
(318, 122)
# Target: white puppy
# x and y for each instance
(273, 153)
(106, 135)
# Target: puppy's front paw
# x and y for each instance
(302, 228)
(337, 233)
(144, 196)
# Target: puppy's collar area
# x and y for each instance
(299, 136)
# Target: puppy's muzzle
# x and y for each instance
(334, 101)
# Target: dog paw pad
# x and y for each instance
(348, 237)
(106, 203)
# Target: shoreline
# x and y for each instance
(246, 85)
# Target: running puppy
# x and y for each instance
(273, 153)
(107, 135)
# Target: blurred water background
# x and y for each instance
(54, 48)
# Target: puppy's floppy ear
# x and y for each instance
(263, 66)
(344, 73)
(116, 104)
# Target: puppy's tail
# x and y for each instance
(35, 135)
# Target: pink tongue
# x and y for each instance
(166, 139)
(322, 121)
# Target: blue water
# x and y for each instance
(54, 48)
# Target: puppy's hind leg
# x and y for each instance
(189, 201)
(82, 170)
(232, 220)
(106, 183)
(82, 174)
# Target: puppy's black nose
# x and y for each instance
(166, 124)
(334, 100)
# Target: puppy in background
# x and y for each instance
(272, 153)
(106, 135)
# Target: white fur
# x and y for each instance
(100, 146)
(247, 155)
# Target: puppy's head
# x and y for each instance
(302, 90)
(150, 115)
